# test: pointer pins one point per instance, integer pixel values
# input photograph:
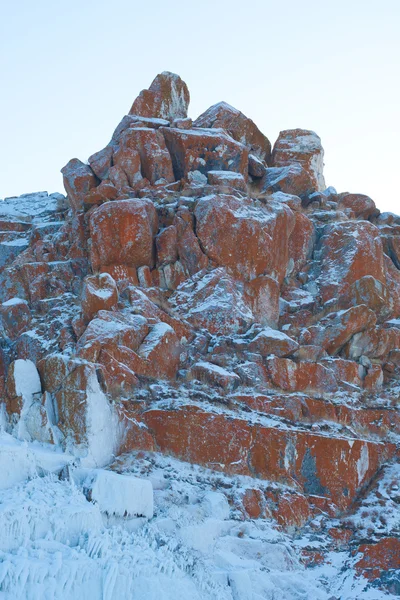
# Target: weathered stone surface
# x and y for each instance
(15, 317)
(229, 180)
(99, 293)
(312, 378)
(361, 206)
(167, 98)
(78, 179)
(147, 145)
(303, 147)
(215, 376)
(112, 330)
(374, 294)
(142, 305)
(262, 296)
(293, 179)
(363, 256)
(335, 330)
(257, 168)
(270, 341)
(204, 150)
(161, 349)
(101, 162)
(345, 370)
(190, 253)
(249, 239)
(167, 245)
(301, 242)
(214, 302)
(323, 466)
(240, 127)
(379, 558)
(127, 160)
(122, 233)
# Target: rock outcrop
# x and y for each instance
(199, 295)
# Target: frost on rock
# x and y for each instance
(196, 297)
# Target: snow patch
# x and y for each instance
(121, 495)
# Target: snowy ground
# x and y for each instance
(56, 544)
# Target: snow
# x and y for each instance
(153, 339)
(363, 463)
(121, 494)
(14, 302)
(102, 427)
(30, 207)
(57, 544)
(26, 377)
(20, 460)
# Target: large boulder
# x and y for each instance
(304, 147)
(361, 206)
(99, 293)
(312, 378)
(154, 159)
(270, 341)
(213, 302)
(122, 233)
(240, 127)
(111, 329)
(247, 237)
(161, 350)
(167, 98)
(78, 179)
(204, 150)
(15, 316)
(349, 250)
(335, 330)
(292, 179)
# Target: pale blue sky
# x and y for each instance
(70, 71)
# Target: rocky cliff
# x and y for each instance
(201, 294)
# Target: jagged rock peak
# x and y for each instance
(223, 115)
(167, 98)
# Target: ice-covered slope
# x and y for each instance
(57, 544)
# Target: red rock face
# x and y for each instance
(242, 129)
(167, 98)
(15, 317)
(338, 328)
(257, 242)
(323, 466)
(379, 557)
(361, 206)
(204, 150)
(122, 233)
(99, 293)
(301, 242)
(213, 302)
(79, 179)
(148, 146)
(302, 147)
(363, 256)
(291, 179)
(312, 378)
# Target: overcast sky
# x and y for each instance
(70, 71)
